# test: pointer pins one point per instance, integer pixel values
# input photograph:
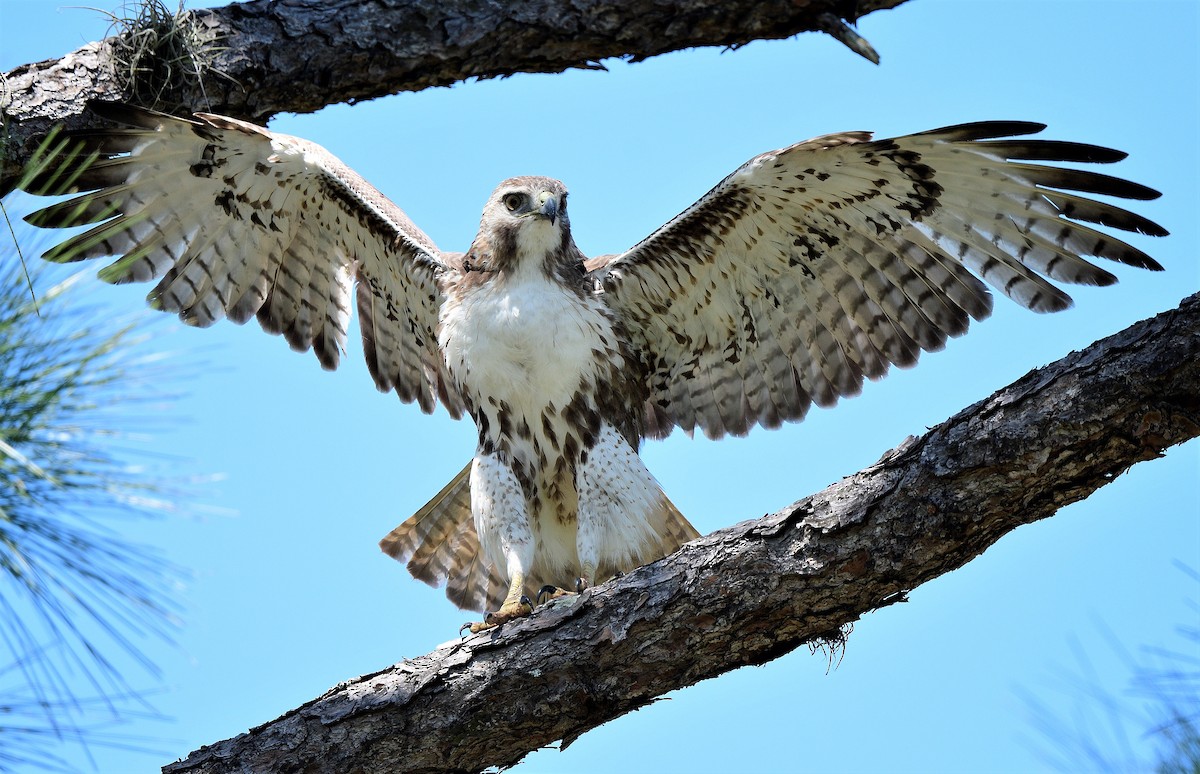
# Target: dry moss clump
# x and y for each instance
(159, 55)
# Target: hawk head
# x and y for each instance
(524, 226)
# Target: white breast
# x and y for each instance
(524, 340)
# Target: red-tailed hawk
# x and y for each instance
(804, 271)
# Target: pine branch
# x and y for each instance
(261, 58)
(755, 591)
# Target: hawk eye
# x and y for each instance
(513, 201)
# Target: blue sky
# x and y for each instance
(290, 594)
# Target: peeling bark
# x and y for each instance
(755, 591)
(300, 55)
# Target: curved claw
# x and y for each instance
(547, 591)
(506, 613)
(475, 627)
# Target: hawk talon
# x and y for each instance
(507, 612)
(552, 592)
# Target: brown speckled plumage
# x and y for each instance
(805, 271)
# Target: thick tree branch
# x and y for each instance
(752, 592)
(300, 55)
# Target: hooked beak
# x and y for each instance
(548, 206)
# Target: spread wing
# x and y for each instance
(237, 221)
(814, 266)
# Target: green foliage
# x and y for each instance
(76, 595)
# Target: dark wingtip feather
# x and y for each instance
(1134, 257)
(297, 339)
(129, 115)
(61, 175)
(1084, 180)
(1048, 303)
(985, 130)
(1091, 211)
(90, 244)
(109, 142)
(1053, 150)
(266, 319)
(328, 357)
(58, 255)
(73, 212)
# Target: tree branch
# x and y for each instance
(264, 57)
(757, 590)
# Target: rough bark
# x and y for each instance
(300, 55)
(752, 592)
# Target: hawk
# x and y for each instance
(800, 274)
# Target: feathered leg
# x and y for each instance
(625, 520)
(502, 522)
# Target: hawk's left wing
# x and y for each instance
(814, 266)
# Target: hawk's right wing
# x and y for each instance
(236, 221)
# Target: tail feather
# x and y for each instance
(478, 586)
(440, 546)
(404, 541)
(678, 529)
(432, 555)
(673, 531)
(670, 530)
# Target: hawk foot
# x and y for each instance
(507, 612)
(549, 592)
